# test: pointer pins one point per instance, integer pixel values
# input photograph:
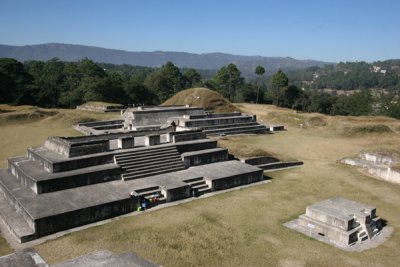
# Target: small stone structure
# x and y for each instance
(340, 221)
(100, 258)
(378, 165)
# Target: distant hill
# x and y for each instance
(209, 61)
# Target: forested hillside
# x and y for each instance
(350, 76)
(56, 83)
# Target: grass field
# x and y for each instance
(244, 227)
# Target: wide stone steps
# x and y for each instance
(198, 186)
(131, 166)
(147, 158)
(156, 166)
(238, 130)
(134, 175)
(151, 192)
(150, 161)
(12, 213)
(14, 221)
(213, 127)
(143, 152)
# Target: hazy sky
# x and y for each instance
(330, 30)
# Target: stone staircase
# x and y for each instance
(150, 192)
(368, 230)
(150, 161)
(239, 128)
(198, 186)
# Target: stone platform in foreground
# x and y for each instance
(346, 224)
(43, 214)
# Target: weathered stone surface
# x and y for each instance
(105, 258)
(25, 258)
(152, 140)
(342, 221)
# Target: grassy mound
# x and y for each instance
(201, 97)
(367, 129)
(26, 114)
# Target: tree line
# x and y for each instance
(349, 76)
(55, 83)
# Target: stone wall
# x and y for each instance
(70, 149)
(204, 157)
(188, 136)
(59, 222)
(157, 115)
(235, 180)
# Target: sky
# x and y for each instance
(327, 30)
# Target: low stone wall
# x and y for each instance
(78, 180)
(380, 171)
(386, 174)
(215, 121)
(158, 115)
(71, 163)
(204, 156)
(59, 222)
(235, 180)
(260, 160)
(101, 123)
(376, 158)
(187, 147)
(70, 149)
(179, 191)
(188, 136)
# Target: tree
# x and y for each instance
(228, 80)
(259, 71)
(193, 78)
(166, 81)
(14, 82)
(279, 79)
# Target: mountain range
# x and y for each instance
(207, 61)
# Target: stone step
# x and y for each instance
(233, 129)
(192, 184)
(193, 180)
(212, 127)
(145, 151)
(130, 176)
(147, 189)
(152, 164)
(154, 167)
(200, 186)
(15, 223)
(149, 158)
(9, 187)
(204, 190)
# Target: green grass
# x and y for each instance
(244, 227)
